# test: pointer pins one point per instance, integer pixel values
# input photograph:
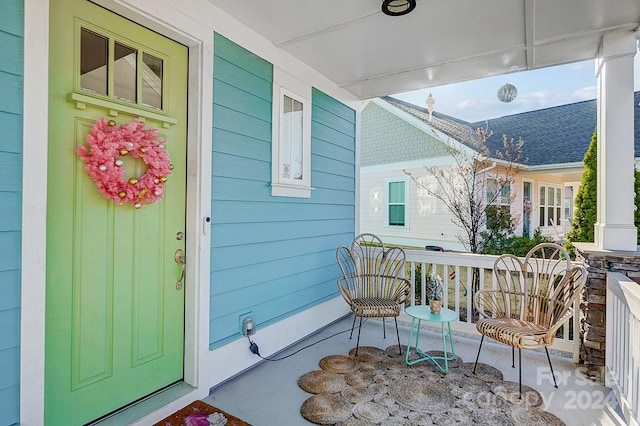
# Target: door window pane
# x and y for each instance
(124, 72)
(526, 209)
(94, 51)
(152, 81)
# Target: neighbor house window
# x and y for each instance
(291, 137)
(502, 199)
(550, 205)
(397, 203)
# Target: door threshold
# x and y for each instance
(138, 410)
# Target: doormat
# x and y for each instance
(378, 387)
(196, 413)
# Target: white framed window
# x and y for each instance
(397, 203)
(291, 136)
(551, 204)
(503, 199)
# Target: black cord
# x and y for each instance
(253, 346)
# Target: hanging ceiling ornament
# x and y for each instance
(507, 93)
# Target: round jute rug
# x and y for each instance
(341, 364)
(377, 387)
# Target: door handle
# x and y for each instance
(180, 260)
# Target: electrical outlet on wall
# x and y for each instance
(247, 325)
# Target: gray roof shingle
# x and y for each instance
(553, 135)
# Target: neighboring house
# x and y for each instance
(103, 304)
(399, 136)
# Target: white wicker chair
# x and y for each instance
(371, 282)
(534, 298)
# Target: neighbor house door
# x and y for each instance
(527, 192)
(114, 291)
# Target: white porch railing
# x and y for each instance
(456, 270)
(622, 359)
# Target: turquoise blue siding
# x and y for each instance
(11, 66)
(272, 256)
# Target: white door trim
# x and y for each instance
(166, 20)
(533, 210)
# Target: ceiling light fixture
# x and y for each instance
(397, 7)
(507, 93)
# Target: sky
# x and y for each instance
(477, 100)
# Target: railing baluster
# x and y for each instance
(423, 282)
(463, 264)
(623, 344)
(469, 294)
(456, 287)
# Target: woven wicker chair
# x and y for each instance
(371, 282)
(533, 300)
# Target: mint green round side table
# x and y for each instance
(423, 313)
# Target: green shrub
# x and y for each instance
(518, 246)
(585, 215)
(571, 249)
(586, 212)
(500, 229)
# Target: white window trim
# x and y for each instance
(556, 186)
(407, 214)
(286, 84)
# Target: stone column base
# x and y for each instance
(593, 304)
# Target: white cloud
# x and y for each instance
(589, 92)
(472, 104)
(480, 109)
(471, 101)
(581, 66)
(547, 98)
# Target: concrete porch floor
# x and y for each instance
(268, 394)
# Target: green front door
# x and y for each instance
(114, 295)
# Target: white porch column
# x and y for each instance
(614, 229)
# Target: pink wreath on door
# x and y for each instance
(108, 141)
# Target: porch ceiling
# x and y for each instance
(371, 54)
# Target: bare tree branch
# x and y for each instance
(463, 186)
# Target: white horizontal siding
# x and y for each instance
(429, 221)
